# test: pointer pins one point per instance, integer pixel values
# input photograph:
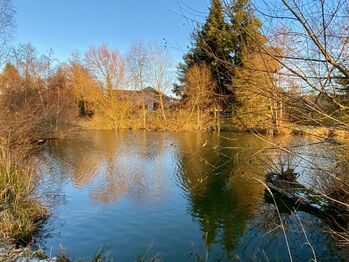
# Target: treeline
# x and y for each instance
(35, 99)
(101, 89)
(272, 72)
(229, 44)
(239, 74)
(108, 90)
(284, 68)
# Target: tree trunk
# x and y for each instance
(162, 108)
(144, 111)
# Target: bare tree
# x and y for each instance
(108, 66)
(34, 68)
(7, 26)
(200, 90)
(137, 61)
(33, 105)
(160, 73)
(314, 40)
(30, 63)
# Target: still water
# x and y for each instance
(176, 195)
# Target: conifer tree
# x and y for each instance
(212, 46)
(245, 29)
(224, 47)
(254, 84)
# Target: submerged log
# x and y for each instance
(285, 187)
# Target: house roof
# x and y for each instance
(149, 91)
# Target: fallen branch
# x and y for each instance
(286, 188)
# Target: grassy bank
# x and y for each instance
(176, 120)
(21, 214)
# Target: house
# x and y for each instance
(152, 98)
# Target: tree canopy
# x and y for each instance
(220, 43)
(212, 46)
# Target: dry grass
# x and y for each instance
(30, 113)
(177, 120)
(21, 213)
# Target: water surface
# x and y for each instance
(174, 194)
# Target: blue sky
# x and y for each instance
(69, 25)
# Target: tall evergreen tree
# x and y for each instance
(222, 46)
(212, 46)
(245, 29)
(254, 83)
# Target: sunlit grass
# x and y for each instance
(180, 120)
(20, 212)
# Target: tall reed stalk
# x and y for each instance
(20, 213)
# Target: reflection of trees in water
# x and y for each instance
(110, 190)
(265, 238)
(316, 160)
(217, 175)
(136, 171)
(74, 160)
(220, 186)
(114, 164)
(227, 201)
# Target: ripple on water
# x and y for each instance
(131, 190)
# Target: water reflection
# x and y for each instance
(127, 189)
(223, 196)
(115, 165)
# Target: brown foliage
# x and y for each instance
(30, 113)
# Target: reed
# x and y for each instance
(21, 214)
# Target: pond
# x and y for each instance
(176, 195)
